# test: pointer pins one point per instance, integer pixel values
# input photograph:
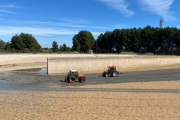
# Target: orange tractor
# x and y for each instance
(73, 75)
(111, 72)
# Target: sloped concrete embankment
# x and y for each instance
(63, 65)
(17, 61)
(6, 59)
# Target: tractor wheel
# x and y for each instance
(106, 75)
(81, 80)
(114, 74)
(103, 75)
(70, 80)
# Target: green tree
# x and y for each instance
(83, 41)
(55, 46)
(108, 42)
(29, 41)
(76, 44)
(65, 47)
(99, 43)
(17, 43)
(61, 48)
(8, 48)
(95, 47)
(2, 44)
(22, 41)
(117, 37)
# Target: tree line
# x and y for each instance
(62, 48)
(26, 43)
(148, 39)
(21, 43)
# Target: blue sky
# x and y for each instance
(60, 20)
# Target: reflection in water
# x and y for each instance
(40, 71)
(8, 80)
(31, 70)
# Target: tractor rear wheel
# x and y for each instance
(114, 74)
(70, 80)
(81, 80)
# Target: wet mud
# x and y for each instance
(38, 80)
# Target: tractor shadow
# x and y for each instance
(62, 80)
(65, 81)
(108, 76)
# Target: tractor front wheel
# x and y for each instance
(105, 74)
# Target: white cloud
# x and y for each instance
(9, 6)
(53, 24)
(7, 30)
(46, 45)
(159, 7)
(119, 26)
(43, 31)
(101, 27)
(6, 11)
(57, 24)
(119, 5)
(75, 21)
(55, 36)
(41, 23)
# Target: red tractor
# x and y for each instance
(111, 72)
(73, 75)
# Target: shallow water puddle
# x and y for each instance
(41, 71)
(19, 79)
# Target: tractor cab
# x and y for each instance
(111, 68)
(74, 73)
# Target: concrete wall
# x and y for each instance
(90, 64)
(30, 58)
